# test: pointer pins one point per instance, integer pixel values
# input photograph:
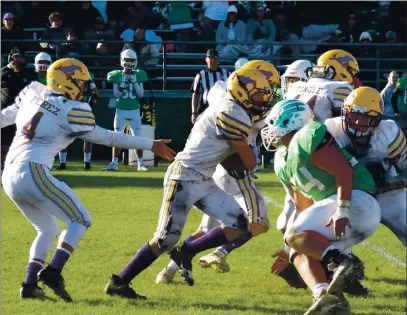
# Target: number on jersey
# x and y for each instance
(30, 127)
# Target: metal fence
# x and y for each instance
(379, 69)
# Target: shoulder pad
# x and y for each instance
(114, 76)
(390, 133)
(141, 76)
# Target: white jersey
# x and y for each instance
(209, 141)
(325, 97)
(47, 123)
(387, 141)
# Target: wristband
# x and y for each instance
(343, 203)
(341, 213)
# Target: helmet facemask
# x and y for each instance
(42, 65)
(129, 64)
(258, 100)
(358, 123)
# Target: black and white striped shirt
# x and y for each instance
(204, 81)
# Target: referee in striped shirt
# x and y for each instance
(203, 82)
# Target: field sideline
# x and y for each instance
(124, 206)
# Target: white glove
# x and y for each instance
(131, 78)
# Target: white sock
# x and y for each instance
(222, 252)
(115, 160)
(140, 161)
(62, 157)
(172, 266)
(87, 156)
(318, 288)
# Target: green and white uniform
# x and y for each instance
(293, 167)
(127, 103)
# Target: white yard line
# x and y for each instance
(381, 252)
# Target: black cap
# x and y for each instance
(14, 52)
(212, 54)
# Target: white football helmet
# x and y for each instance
(297, 71)
(128, 59)
(286, 116)
(240, 63)
(45, 61)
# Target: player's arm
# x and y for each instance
(118, 90)
(8, 115)
(330, 159)
(236, 131)
(109, 138)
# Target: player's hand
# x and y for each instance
(132, 78)
(194, 117)
(122, 86)
(340, 221)
(160, 148)
(281, 262)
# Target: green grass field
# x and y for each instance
(124, 206)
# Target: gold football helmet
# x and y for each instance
(250, 88)
(338, 65)
(362, 111)
(269, 71)
(69, 77)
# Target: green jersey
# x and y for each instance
(129, 99)
(42, 79)
(293, 165)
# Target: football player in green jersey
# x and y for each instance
(127, 88)
(42, 61)
(332, 194)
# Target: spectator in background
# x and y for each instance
(135, 13)
(389, 102)
(352, 28)
(335, 38)
(259, 28)
(72, 49)
(9, 31)
(35, 14)
(55, 32)
(100, 32)
(14, 77)
(231, 33)
(366, 51)
(181, 22)
(215, 12)
(204, 81)
(84, 17)
(147, 52)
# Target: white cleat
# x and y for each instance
(142, 168)
(325, 304)
(111, 167)
(165, 276)
(216, 261)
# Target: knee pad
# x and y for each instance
(168, 241)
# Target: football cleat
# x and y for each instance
(32, 291)
(354, 287)
(62, 166)
(115, 287)
(53, 279)
(165, 276)
(111, 167)
(325, 304)
(216, 261)
(142, 168)
(348, 269)
(86, 166)
(184, 263)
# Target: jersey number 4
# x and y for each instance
(29, 129)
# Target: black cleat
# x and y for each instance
(32, 291)
(346, 269)
(115, 287)
(53, 279)
(86, 166)
(62, 166)
(354, 287)
(184, 263)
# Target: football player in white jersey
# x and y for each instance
(331, 81)
(299, 70)
(48, 119)
(219, 132)
(381, 146)
(242, 189)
